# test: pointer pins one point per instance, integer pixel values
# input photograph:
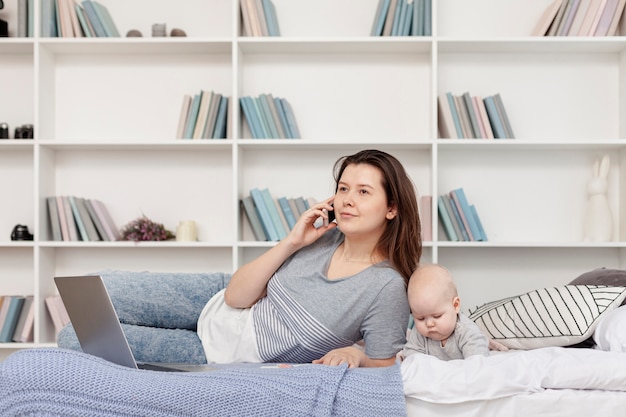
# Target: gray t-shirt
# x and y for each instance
(466, 340)
(305, 315)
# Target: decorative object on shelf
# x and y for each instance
(143, 229)
(20, 232)
(159, 30)
(24, 132)
(177, 33)
(4, 26)
(598, 222)
(134, 33)
(186, 231)
(4, 130)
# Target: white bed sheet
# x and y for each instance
(540, 382)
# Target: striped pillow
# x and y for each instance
(556, 316)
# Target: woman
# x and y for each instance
(319, 290)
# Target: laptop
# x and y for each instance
(98, 328)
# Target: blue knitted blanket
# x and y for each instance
(58, 382)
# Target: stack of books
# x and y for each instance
(580, 18)
(80, 219)
(16, 318)
(403, 18)
(259, 18)
(269, 117)
(272, 218)
(204, 116)
(471, 117)
(74, 19)
(459, 218)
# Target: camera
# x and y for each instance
(4, 131)
(24, 132)
(20, 232)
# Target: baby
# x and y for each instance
(440, 330)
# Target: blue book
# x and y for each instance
(408, 19)
(494, 118)
(286, 208)
(417, 27)
(455, 116)
(398, 20)
(267, 101)
(93, 17)
(78, 219)
(283, 118)
(291, 119)
(271, 18)
(259, 116)
(483, 235)
(467, 212)
(10, 321)
(379, 17)
(273, 211)
(252, 215)
(82, 18)
(248, 113)
(503, 116)
(193, 115)
(264, 215)
(106, 20)
(446, 221)
(428, 11)
(220, 124)
(455, 217)
(266, 114)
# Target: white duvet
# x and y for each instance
(512, 373)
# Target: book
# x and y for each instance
(88, 224)
(483, 235)
(503, 116)
(182, 118)
(455, 115)
(80, 223)
(397, 18)
(266, 116)
(546, 19)
(253, 218)
(291, 119)
(85, 24)
(597, 17)
(482, 111)
(255, 24)
(222, 119)
(245, 18)
(494, 118)
(53, 218)
(554, 27)
(402, 17)
(248, 111)
(425, 212)
(71, 220)
(281, 215)
(93, 215)
(301, 204)
(65, 233)
(203, 113)
(445, 220)
(214, 105)
(260, 117)
(445, 121)
(417, 27)
(57, 312)
(271, 17)
(391, 12)
(461, 109)
(455, 218)
(94, 19)
(22, 18)
(48, 18)
(606, 18)
(590, 14)
(479, 119)
(568, 18)
(106, 220)
(294, 208)
(193, 115)
(466, 213)
(469, 105)
(66, 28)
(23, 332)
(273, 212)
(617, 16)
(283, 117)
(106, 19)
(269, 100)
(258, 5)
(287, 212)
(10, 321)
(380, 17)
(408, 18)
(580, 16)
(264, 215)
(76, 28)
(428, 20)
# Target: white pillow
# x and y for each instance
(610, 334)
(556, 316)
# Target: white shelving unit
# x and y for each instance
(105, 112)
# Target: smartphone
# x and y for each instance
(331, 217)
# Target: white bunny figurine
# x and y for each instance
(598, 223)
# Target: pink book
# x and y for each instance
(482, 111)
(466, 225)
(65, 233)
(607, 17)
(425, 207)
(479, 118)
(590, 15)
(597, 17)
(106, 220)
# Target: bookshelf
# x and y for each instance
(105, 112)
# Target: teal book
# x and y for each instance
(256, 118)
(82, 19)
(260, 116)
(88, 224)
(271, 18)
(247, 112)
(379, 17)
(283, 117)
(494, 118)
(503, 116)
(408, 19)
(193, 116)
(396, 18)
(291, 119)
(106, 19)
(10, 321)
(455, 218)
(221, 123)
(264, 215)
(455, 115)
(467, 98)
(428, 15)
(266, 115)
(483, 235)
(446, 222)
(287, 212)
(467, 212)
(96, 220)
(273, 211)
(268, 103)
(402, 4)
(94, 19)
(82, 231)
(252, 215)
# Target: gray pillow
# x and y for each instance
(602, 276)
